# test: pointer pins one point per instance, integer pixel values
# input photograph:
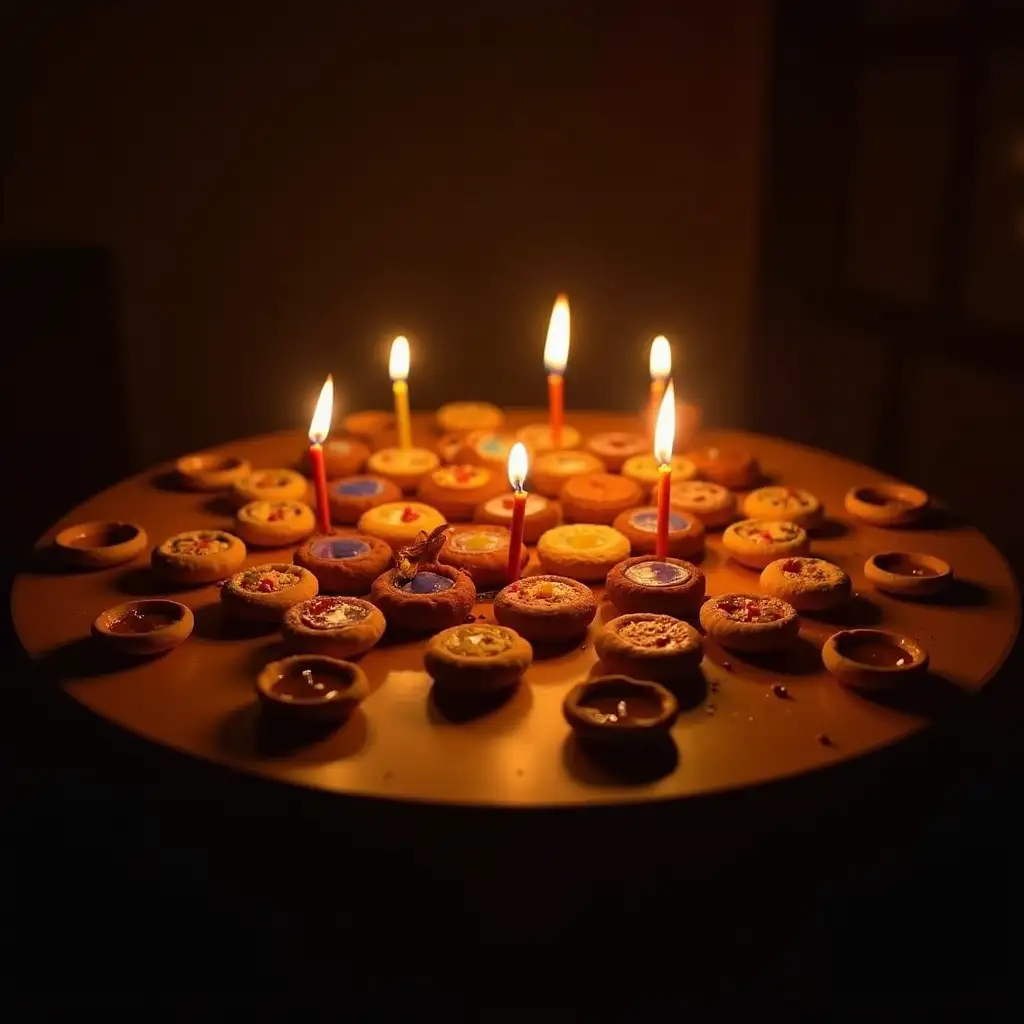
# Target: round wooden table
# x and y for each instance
(199, 698)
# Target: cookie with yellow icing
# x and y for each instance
(585, 551)
(538, 437)
(644, 469)
(404, 467)
(614, 447)
(398, 523)
(550, 472)
(713, 504)
(269, 485)
(789, 503)
(455, 491)
(481, 551)
(466, 416)
(757, 542)
(274, 524)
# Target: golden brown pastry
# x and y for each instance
(728, 467)
(644, 469)
(640, 525)
(274, 524)
(538, 438)
(467, 416)
(546, 609)
(481, 551)
(599, 497)
(615, 447)
(400, 522)
(343, 456)
(263, 593)
(756, 542)
(550, 472)
(351, 496)
(808, 584)
(643, 645)
(586, 551)
(789, 503)
(750, 622)
(100, 545)
(477, 659)
(211, 471)
(713, 504)
(455, 491)
(404, 467)
(436, 597)
(338, 627)
(346, 562)
(666, 586)
(198, 556)
(270, 485)
(541, 514)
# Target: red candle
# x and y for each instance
(319, 428)
(664, 435)
(556, 355)
(556, 399)
(517, 470)
(664, 507)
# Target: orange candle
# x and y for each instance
(556, 407)
(556, 355)
(517, 469)
(319, 428)
(661, 369)
(664, 435)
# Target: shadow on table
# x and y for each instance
(497, 712)
(167, 480)
(84, 658)
(248, 732)
(802, 659)
(960, 593)
(829, 529)
(213, 624)
(857, 613)
(612, 764)
(929, 695)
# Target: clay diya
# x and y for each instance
(599, 497)
(455, 491)
(645, 471)
(263, 593)
(338, 627)
(730, 468)
(873, 659)
(713, 504)
(464, 417)
(311, 688)
(144, 627)
(757, 542)
(750, 622)
(787, 503)
(269, 485)
(908, 574)
(474, 660)
(667, 586)
(640, 525)
(584, 551)
(367, 424)
(404, 467)
(546, 609)
(274, 524)
(617, 709)
(485, 448)
(430, 598)
(342, 457)
(99, 545)
(538, 437)
(351, 496)
(550, 471)
(887, 504)
(211, 471)
(345, 563)
(614, 447)
(808, 584)
(398, 523)
(198, 556)
(481, 551)
(540, 514)
(646, 645)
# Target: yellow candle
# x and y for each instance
(398, 367)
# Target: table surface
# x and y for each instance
(200, 698)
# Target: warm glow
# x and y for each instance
(661, 358)
(320, 425)
(518, 466)
(665, 428)
(398, 365)
(556, 348)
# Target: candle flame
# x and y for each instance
(661, 358)
(398, 365)
(320, 425)
(518, 466)
(665, 428)
(556, 348)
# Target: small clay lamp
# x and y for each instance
(100, 545)
(887, 504)
(908, 575)
(211, 471)
(617, 709)
(144, 627)
(873, 659)
(311, 688)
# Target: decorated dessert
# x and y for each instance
(448, 446)
(644, 469)
(345, 562)
(342, 457)
(144, 627)
(756, 542)
(887, 504)
(738, 470)
(263, 593)
(269, 485)
(481, 551)
(585, 551)
(538, 438)
(463, 417)
(100, 545)
(351, 496)
(598, 497)
(789, 503)
(750, 622)
(400, 522)
(434, 597)
(485, 448)
(455, 491)
(614, 447)
(311, 688)
(274, 524)
(367, 424)
(645, 645)
(667, 586)
(211, 471)
(338, 627)
(640, 525)
(908, 574)
(873, 659)
(617, 709)
(550, 471)
(198, 556)
(478, 659)
(546, 609)
(404, 467)
(713, 504)
(808, 584)
(541, 514)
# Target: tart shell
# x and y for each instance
(541, 514)
(425, 613)
(684, 541)
(297, 523)
(758, 551)
(789, 503)
(193, 569)
(469, 674)
(538, 438)
(565, 614)
(598, 497)
(614, 447)
(466, 416)
(550, 472)
(632, 645)
(488, 569)
(648, 730)
(270, 485)
(347, 508)
(808, 584)
(404, 468)
(645, 471)
(346, 641)
(713, 504)
(456, 502)
(752, 637)
(100, 545)
(347, 576)
(254, 605)
(681, 600)
(211, 471)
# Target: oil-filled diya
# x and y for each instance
(343, 456)
(345, 562)
(616, 709)
(551, 471)
(100, 545)
(144, 627)
(263, 593)
(400, 522)
(640, 525)
(908, 574)
(729, 467)
(481, 551)
(311, 688)
(873, 659)
(274, 524)
(583, 551)
(546, 609)
(645, 645)
(351, 496)
(540, 514)
(599, 497)
(198, 556)
(667, 586)
(757, 542)
(464, 417)
(455, 491)
(270, 485)
(887, 504)
(789, 503)
(615, 447)
(644, 469)
(750, 622)
(471, 660)
(211, 471)
(404, 467)
(338, 627)
(713, 504)
(808, 584)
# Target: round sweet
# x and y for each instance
(398, 523)
(538, 437)
(486, 448)
(351, 496)
(620, 710)
(614, 447)
(471, 660)
(311, 688)
(342, 457)
(713, 504)
(455, 491)
(546, 609)
(645, 645)
(437, 597)
(198, 556)
(756, 542)
(346, 562)
(338, 627)
(550, 471)
(263, 593)
(99, 545)
(540, 515)
(481, 551)
(887, 504)
(405, 468)
(269, 485)
(645, 471)
(274, 524)
(808, 584)
(585, 551)
(467, 416)
(144, 627)
(598, 497)
(640, 525)
(728, 467)
(211, 471)
(789, 503)
(668, 586)
(750, 622)
(367, 424)
(448, 448)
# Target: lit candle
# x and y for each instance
(319, 428)
(556, 355)
(518, 466)
(664, 435)
(661, 370)
(398, 367)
